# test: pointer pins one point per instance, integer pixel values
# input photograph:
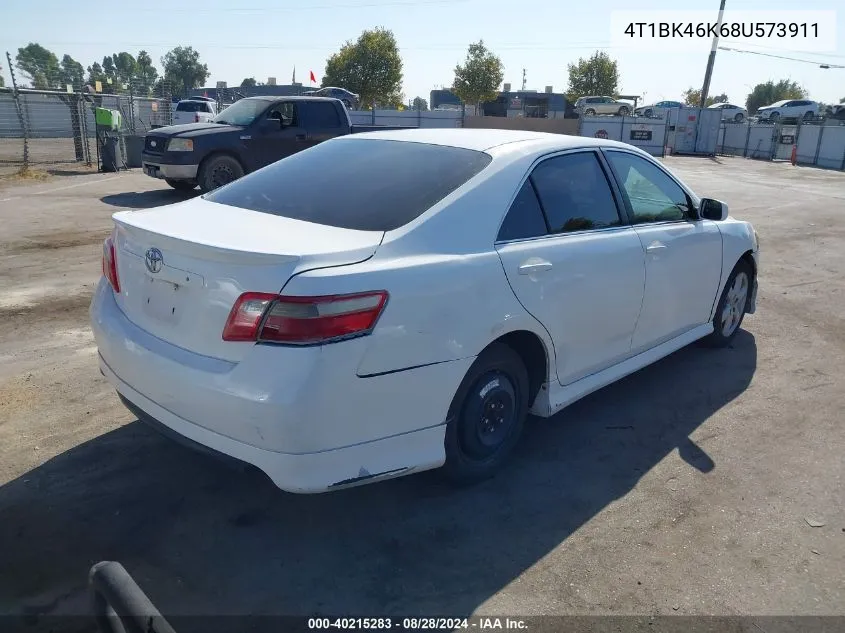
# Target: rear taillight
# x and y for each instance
(110, 263)
(258, 316)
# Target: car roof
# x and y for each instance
(286, 98)
(483, 139)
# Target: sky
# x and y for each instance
(265, 38)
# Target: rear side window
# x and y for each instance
(525, 217)
(575, 194)
(322, 114)
(360, 184)
(192, 106)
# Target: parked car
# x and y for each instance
(789, 109)
(246, 136)
(657, 108)
(836, 112)
(194, 111)
(336, 321)
(602, 105)
(349, 99)
(730, 112)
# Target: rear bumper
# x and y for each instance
(301, 415)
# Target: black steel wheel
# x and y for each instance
(219, 170)
(487, 415)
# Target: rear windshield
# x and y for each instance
(361, 184)
(192, 106)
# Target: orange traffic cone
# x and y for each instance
(794, 158)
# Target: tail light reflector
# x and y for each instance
(273, 318)
(110, 263)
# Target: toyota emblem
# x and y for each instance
(153, 259)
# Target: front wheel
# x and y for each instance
(589, 112)
(732, 305)
(181, 185)
(809, 116)
(218, 171)
(487, 415)
(623, 111)
(739, 117)
(774, 116)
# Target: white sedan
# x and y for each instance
(730, 112)
(391, 302)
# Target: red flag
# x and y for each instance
(313, 78)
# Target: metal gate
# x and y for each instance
(761, 141)
(709, 122)
(647, 134)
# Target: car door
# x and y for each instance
(573, 263)
(277, 134)
(322, 122)
(683, 254)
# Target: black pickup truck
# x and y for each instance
(246, 136)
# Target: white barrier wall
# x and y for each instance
(647, 134)
(412, 118)
(832, 148)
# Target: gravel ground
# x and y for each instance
(688, 488)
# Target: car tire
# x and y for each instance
(739, 117)
(649, 113)
(589, 112)
(774, 116)
(732, 305)
(219, 170)
(809, 115)
(487, 415)
(623, 111)
(181, 185)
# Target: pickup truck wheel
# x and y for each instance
(181, 185)
(219, 170)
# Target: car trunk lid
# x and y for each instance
(181, 267)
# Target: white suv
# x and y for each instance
(195, 110)
(789, 109)
(602, 105)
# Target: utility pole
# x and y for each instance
(523, 79)
(712, 59)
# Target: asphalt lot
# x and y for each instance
(688, 488)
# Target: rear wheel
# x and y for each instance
(739, 117)
(649, 112)
(219, 170)
(731, 308)
(181, 185)
(809, 115)
(487, 415)
(589, 112)
(624, 111)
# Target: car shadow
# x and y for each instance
(203, 538)
(148, 199)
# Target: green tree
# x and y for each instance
(769, 92)
(95, 74)
(692, 97)
(419, 104)
(249, 82)
(370, 66)
(183, 69)
(478, 79)
(146, 72)
(125, 67)
(71, 72)
(597, 75)
(40, 65)
(110, 71)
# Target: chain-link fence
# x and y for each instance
(56, 127)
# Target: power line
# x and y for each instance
(792, 59)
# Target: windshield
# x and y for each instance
(776, 104)
(241, 112)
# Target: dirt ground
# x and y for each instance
(688, 488)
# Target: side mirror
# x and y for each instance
(711, 209)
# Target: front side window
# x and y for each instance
(653, 195)
(575, 194)
(285, 111)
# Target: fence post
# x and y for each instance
(747, 139)
(373, 114)
(19, 109)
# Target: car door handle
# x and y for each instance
(534, 266)
(655, 246)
